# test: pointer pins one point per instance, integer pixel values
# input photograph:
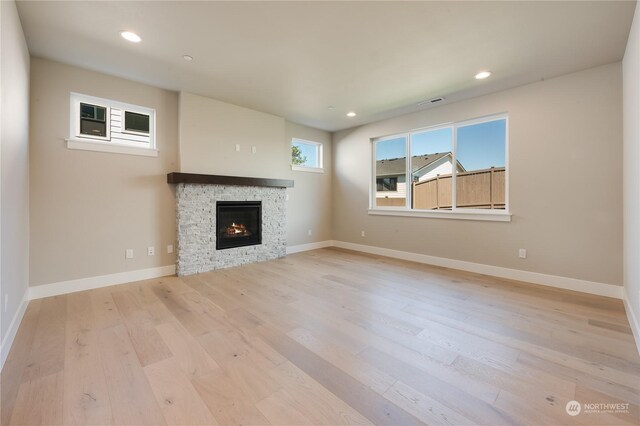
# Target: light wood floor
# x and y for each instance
(324, 337)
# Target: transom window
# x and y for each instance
(454, 167)
(306, 155)
(110, 124)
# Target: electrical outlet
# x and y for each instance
(286, 197)
(254, 149)
(362, 233)
(170, 248)
(522, 253)
(309, 232)
(151, 251)
(129, 254)
(237, 147)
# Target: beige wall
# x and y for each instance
(310, 199)
(631, 113)
(88, 207)
(565, 157)
(209, 132)
(14, 166)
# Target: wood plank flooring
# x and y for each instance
(326, 337)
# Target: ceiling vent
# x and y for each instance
(430, 101)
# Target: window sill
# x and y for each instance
(441, 214)
(307, 169)
(110, 147)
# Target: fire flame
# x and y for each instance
(237, 230)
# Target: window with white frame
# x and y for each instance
(306, 155)
(456, 167)
(99, 124)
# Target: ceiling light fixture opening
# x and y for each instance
(187, 58)
(130, 36)
(483, 74)
(351, 114)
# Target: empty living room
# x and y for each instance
(320, 213)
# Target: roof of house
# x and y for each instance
(396, 166)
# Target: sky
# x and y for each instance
(480, 146)
(309, 151)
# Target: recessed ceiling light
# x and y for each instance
(188, 58)
(483, 74)
(351, 114)
(130, 36)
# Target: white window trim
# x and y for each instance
(455, 212)
(320, 148)
(110, 147)
(464, 214)
(306, 169)
(104, 144)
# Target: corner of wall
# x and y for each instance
(14, 152)
(631, 175)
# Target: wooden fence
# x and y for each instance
(480, 189)
(391, 202)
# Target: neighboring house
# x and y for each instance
(390, 174)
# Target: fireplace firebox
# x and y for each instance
(238, 224)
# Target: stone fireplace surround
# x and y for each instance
(196, 197)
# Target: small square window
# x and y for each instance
(306, 155)
(93, 120)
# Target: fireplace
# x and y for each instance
(201, 225)
(238, 224)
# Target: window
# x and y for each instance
(453, 169)
(481, 147)
(387, 184)
(136, 123)
(93, 120)
(306, 155)
(391, 166)
(98, 124)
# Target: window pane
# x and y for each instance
(100, 113)
(431, 168)
(305, 154)
(391, 166)
(92, 120)
(136, 122)
(93, 128)
(87, 111)
(93, 112)
(481, 154)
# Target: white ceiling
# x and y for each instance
(294, 59)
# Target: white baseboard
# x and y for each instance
(600, 289)
(633, 319)
(7, 342)
(309, 246)
(64, 287)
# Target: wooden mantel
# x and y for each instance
(177, 177)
